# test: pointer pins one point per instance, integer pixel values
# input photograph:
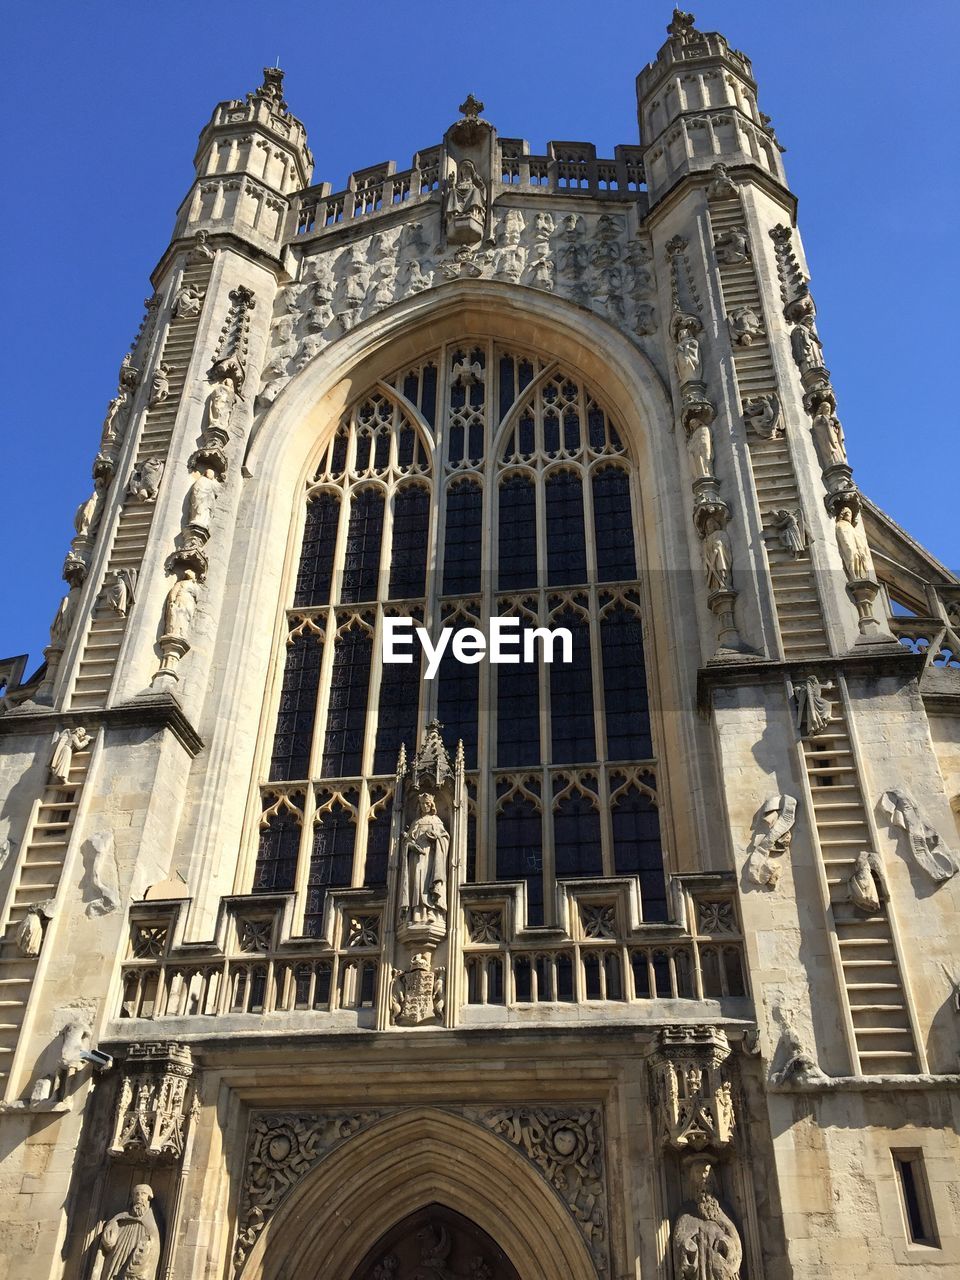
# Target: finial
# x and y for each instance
(681, 28)
(272, 88)
(470, 107)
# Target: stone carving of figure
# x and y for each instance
(772, 836)
(733, 247)
(144, 483)
(414, 279)
(60, 626)
(852, 541)
(926, 843)
(386, 283)
(544, 226)
(188, 302)
(201, 499)
(813, 710)
(798, 1064)
(120, 593)
(30, 935)
(423, 888)
(220, 405)
(160, 385)
(511, 229)
(201, 251)
(706, 1244)
(130, 1241)
(700, 447)
(864, 884)
(88, 513)
(542, 270)
(762, 416)
(828, 437)
(717, 555)
(646, 319)
(180, 605)
(466, 205)
(745, 326)
(722, 186)
(65, 743)
(509, 263)
(806, 345)
(110, 429)
(790, 531)
(687, 355)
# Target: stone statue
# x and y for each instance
(706, 1244)
(717, 555)
(88, 513)
(202, 498)
(798, 1064)
(130, 1241)
(414, 279)
(160, 385)
(789, 529)
(63, 621)
(687, 354)
(188, 301)
(772, 836)
(722, 186)
(813, 710)
(220, 405)
(926, 844)
(144, 482)
(65, 743)
(852, 541)
(466, 205)
(646, 320)
(700, 447)
(828, 437)
(180, 605)
(511, 228)
(110, 431)
(423, 886)
(30, 934)
(386, 284)
(745, 326)
(201, 251)
(544, 226)
(864, 885)
(733, 247)
(543, 273)
(762, 416)
(806, 345)
(121, 592)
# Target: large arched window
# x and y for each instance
(483, 483)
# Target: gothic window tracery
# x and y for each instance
(482, 483)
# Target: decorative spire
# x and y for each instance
(470, 107)
(431, 763)
(271, 90)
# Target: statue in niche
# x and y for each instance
(130, 1241)
(722, 186)
(706, 1244)
(762, 416)
(144, 482)
(745, 326)
(828, 437)
(466, 205)
(814, 711)
(866, 883)
(852, 542)
(733, 247)
(717, 555)
(119, 594)
(188, 302)
(687, 354)
(201, 499)
(700, 447)
(65, 743)
(220, 405)
(88, 513)
(160, 385)
(788, 527)
(180, 605)
(423, 885)
(806, 345)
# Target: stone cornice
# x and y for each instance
(884, 660)
(703, 177)
(148, 710)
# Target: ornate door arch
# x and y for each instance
(436, 1243)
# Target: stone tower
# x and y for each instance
(489, 807)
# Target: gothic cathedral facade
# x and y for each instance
(331, 953)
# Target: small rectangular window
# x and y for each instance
(915, 1198)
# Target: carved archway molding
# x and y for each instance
(405, 1162)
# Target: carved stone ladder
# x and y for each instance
(794, 587)
(36, 880)
(102, 648)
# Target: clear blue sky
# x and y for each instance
(104, 101)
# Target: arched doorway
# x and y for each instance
(436, 1243)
